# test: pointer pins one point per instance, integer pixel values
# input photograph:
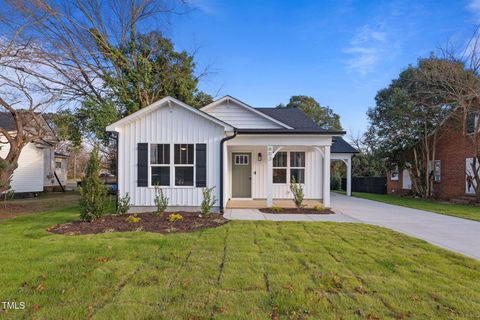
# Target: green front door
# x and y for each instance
(241, 175)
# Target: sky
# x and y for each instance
(339, 52)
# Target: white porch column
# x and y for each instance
(326, 177)
(349, 176)
(226, 184)
(269, 175)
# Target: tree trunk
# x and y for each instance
(6, 173)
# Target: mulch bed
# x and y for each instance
(297, 211)
(151, 222)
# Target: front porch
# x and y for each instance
(262, 203)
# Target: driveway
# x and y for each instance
(456, 234)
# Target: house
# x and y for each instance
(246, 153)
(452, 165)
(38, 162)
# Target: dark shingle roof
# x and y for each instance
(292, 117)
(341, 146)
(6, 121)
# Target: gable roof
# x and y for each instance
(246, 106)
(160, 103)
(7, 122)
(341, 146)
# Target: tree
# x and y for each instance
(368, 162)
(404, 125)
(93, 194)
(323, 116)
(23, 98)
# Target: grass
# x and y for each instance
(450, 209)
(242, 270)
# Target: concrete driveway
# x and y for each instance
(456, 234)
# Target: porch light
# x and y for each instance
(259, 156)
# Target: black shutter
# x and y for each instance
(201, 165)
(142, 164)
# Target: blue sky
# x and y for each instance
(339, 52)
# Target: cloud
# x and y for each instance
(474, 7)
(203, 6)
(366, 49)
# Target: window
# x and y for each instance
(241, 159)
(280, 167)
(58, 165)
(297, 166)
(160, 164)
(184, 164)
(472, 121)
(394, 173)
(436, 171)
(292, 163)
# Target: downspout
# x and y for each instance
(221, 166)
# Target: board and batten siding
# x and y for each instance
(28, 177)
(169, 125)
(313, 187)
(240, 117)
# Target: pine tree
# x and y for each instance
(93, 194)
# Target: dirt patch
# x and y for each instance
(43, 202)
(152, 222)
(297, 211)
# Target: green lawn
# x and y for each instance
(242, 270)
(451, 209)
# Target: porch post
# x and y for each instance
(349, 176)
(326, 177)
(269, 176)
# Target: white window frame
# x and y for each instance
(172, 165)
(150, 165)
(304, 167)
(184, 165)
(244, 157)
(286, 168)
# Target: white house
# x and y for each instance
(37, 164)
(244, 152)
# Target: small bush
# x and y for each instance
(276, 208)
(174, 217)
(208, 201)
(318, 207)
(133, 219)
(336, 181)
(123, 204)
(93, 194)
(161, 201)
(297, 190)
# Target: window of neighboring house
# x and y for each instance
(437, 171)
(394, 173)
(160, 164)
(472, 121)
(297, 166)
(58, 165)
(184, 164)
(280, 167)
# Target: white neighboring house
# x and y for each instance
(244, 152)
(37, 162)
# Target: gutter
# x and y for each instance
(221, 166)
(289, 132)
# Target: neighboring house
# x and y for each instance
(245, 153)
(454, 155)
(37, 162)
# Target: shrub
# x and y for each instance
(133, 219)
(123, 204)
(335, 181)
(93, 194)
(276, 208)
(297, 190)
(318, 207)
(208, 201)
(161, 201)
(174, 217)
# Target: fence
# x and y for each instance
(367, 184)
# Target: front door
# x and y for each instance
(241, 175)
